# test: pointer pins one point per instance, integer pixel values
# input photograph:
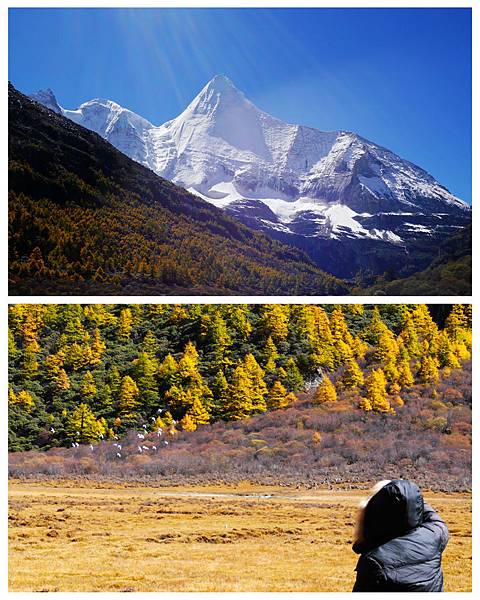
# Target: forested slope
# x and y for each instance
(86, 219)
(82, 373)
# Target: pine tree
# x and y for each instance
(239, 403)
(198, 413)
(386, 350)
(88, 389)
(144, 372)
(23, 399)
(456, 322)
(150, 344)
(125, 324)
(376, 391)
(274, 321)
(188, 365)
(425, 325)
(270, 355)
(187, 423)
(313, 327)
(12, 346)
(258, 386)
(98, 347)
(128, 400)
(352, 376)
(445, 354)
(53, 364)
(325, 392)
(293, 379)
(428, 371)
(82, 426)
(408, 337)
(62, 382)
(215, 333)
(277, 397)
(220, 390)
(405, 376)
(375, 328)
(168, 373)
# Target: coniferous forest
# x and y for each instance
(86, 219)
(95, 375)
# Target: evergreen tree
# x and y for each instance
(125, 324)
(446, 356)
(376, 391)
(187, 423)
(258, 388)
(325, 392)
(428, 371)
(198, 413)
(353, 375)
(277, 397)
(81, 426)
(405, 376)
(144, 372)
(239, 402)
(274, 321)
(98, 347)
(293, 379)
(128, 400)
(270, 355)
(150, 345)
(88, 389)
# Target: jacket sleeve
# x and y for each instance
(370, 576)
(432, 519)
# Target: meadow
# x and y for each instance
(89, 536)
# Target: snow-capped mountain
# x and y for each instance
(298, 183)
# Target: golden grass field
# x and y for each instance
(100, 537)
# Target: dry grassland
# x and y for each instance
(66, 537)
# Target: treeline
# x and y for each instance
(82, 373)
(85, 218)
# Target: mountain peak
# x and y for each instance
(221, 83)
(218, 90)
(47, 98)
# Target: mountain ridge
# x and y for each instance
(300, 185)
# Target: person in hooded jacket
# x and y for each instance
(400, 539)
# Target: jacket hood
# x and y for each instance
(393, 511)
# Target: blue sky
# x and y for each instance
(399, 77)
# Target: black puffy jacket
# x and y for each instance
(403, 541)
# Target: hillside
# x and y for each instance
(449, 274)
(86, 219)
(272, 393)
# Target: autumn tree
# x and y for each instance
(277, 397)
(325, 392)
(82, 426)
(353, 375)
(376, 392)
(128, 400)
